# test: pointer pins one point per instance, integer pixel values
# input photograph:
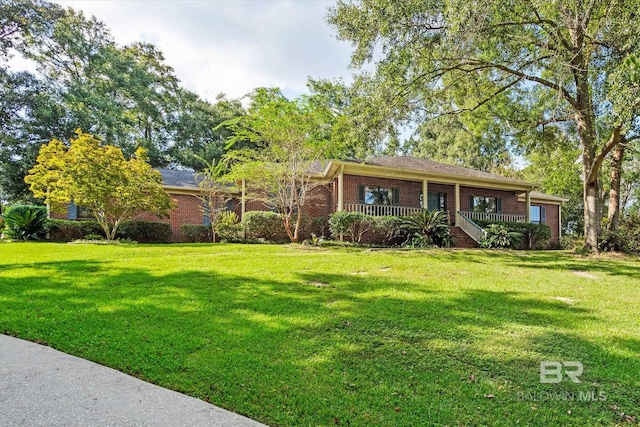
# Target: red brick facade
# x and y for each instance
(552, 216)
(323, 200)
(188, 211)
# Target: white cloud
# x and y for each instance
(231, 46)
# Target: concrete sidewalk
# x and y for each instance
(40, 386)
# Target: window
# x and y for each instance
(485, 204)
(372, 195)
(538, 215)
(436, 201)
(75, 212)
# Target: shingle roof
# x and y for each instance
(174, 178)
(426, 165)
(538, 195)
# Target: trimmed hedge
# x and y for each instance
(264, 225)
(197, 233)
(535, 236)
(145, 231)
(62, 229)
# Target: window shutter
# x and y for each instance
(543, 215)
(361, 194)
(498, 205)
(396, 196)
(471, 206)
(72, 211)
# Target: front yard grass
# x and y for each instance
(298, 336)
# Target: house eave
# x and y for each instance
(388, 172)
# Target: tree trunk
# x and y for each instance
(614, 194)
(296, 233)
(591, 217)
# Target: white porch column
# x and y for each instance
(341, 189)
(559, 221)
(457, 197)
(527, 207)
(243, 199)
(425, 194)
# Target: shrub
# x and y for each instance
(145, 231)
(197, 233)
(228, 227)
(26, 222)
(94, 237)
(625, 239)
(62, 229)
(1, 224)
(534, 236)
(630, 228)
(320, 226)
(352, 225)
(433, 226)
(499, 236)
(570, 242)
(389, 230)
(264, 225)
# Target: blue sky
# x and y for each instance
(231, 46)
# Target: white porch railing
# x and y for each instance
(499, 217)
(380, 210)
(468, 226)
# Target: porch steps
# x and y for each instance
(462, 239)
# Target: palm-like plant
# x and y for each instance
(26, 222)
(430, 226)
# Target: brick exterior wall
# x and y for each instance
(553, 216)
(318, 202)
(323, 200)
(188, 211)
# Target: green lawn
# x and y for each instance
(299, 336)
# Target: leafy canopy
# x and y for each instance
(98, 177)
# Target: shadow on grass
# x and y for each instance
(560, 261)
(320, 347)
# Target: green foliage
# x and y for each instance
(430, 226)
(97, 237)
(62, 229)
(145, 231)
(264, 225)
(25, 222)
(351, 225)
(389, 230)
(513, 63)
(99, 178)
(228, 227)
(625, 239)
(499, 236)
(291, 136)
(196, 233)
(534, 236)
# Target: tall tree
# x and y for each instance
(291, 137)
(98, 177)
(560, 56)
(196, 132)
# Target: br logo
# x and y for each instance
(552, 372)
